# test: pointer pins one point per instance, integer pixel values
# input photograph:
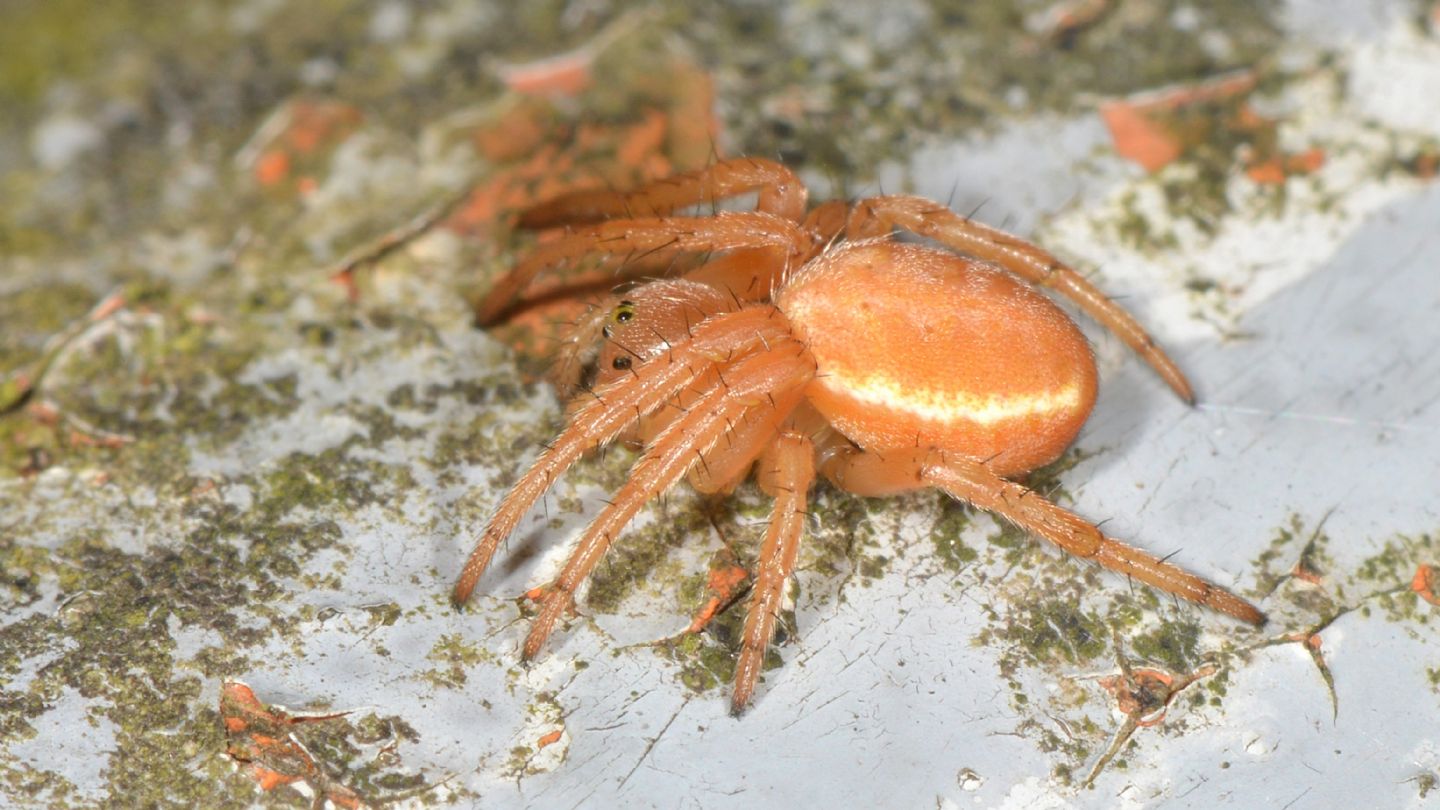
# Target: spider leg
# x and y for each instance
(827, 220)
(727, 464)
(748, 275)
(577, 346)
(679, 446)
(877, 215)
(753, 275)
(780, 193)
(787, 471)
(875, 474)
(617, 405)
(628, 237)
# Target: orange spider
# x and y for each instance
(815, 344)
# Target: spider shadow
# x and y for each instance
(1133, 436)
(522, 550)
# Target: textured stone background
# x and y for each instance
(229, 454)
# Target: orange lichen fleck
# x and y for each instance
(1425, 583)
(1306, 162)
(725, 583)
(1305, 573)
(108, 441)
(268, 779)
(643, 141)
(725, 580)
(1141, 127)
(1425, 165)
(1209, 119)
(565, 75)
(1067, 17)
(345, 280)
(550, 738)
(272, 167)
(43, 413)
(1269, 172)
(317, 124)
(1137, 137)
(517, 132)
(107, 307)
(1274, 170)
(1143, 695)
(260, 738)
(298, 133)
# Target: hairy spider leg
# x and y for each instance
(827, 221)
(874, 474)
(579, 343)
(755, 275)
(682, 444)
(875, 216)
(727, 464)
(627, 237)
(786, 471)
(616, 406)
(780, 193)
(748, 275)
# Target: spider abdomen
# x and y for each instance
(919, 347)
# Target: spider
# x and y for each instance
(810, 343)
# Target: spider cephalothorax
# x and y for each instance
(812, 344)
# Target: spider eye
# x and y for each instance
(621, 363)
(624, 312)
